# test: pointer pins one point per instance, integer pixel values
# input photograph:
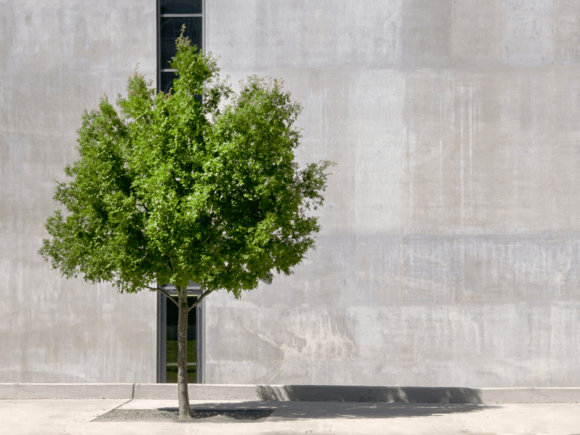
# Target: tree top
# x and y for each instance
(197, 184)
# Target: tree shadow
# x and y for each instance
(295, 402)
(349, 410)
(294, 410)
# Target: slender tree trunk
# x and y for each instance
(183, 393)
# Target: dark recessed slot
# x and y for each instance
(167, 81)
(171, 339)
(180, 6)
(170, 31)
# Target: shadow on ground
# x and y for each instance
(172, 415)
(288, 411)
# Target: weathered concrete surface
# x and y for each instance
(285, 393)
(198, 392)
(450, 248)
(530, 395)
(57, 58)
(67, 391)
(67, 416)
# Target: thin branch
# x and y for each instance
(214, 225)
(207, 292)
(164, 292)
(203, 295)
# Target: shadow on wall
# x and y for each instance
(337, 393)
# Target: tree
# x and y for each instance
(198, 184)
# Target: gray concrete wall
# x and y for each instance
(57, 58)
(450, 250)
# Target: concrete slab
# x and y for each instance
(198, 392)
(308, 393)
(51, 417)
(25, 417)
(352, 393)
(163, 404)
(530, 395)
(333, 393)
(66, 391)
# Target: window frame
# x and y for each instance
(192, 289)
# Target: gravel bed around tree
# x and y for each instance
(197, 415)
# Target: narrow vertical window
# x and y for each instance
(167, 336)
(173, 14)
(171, 343)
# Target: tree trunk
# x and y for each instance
(183, 393)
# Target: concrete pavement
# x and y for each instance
(48, 417)
(282, 393)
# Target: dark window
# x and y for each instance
(173, 14)
(166, 81)
(167, 337)
(170, 29)
(180, 6)
(171, 337)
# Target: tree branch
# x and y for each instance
(159, 289)
(203, 295)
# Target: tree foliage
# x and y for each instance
(198, 184)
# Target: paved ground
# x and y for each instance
(48, 417)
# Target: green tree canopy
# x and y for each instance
(198, 184)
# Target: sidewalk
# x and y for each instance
(65, 416)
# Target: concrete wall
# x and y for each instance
(450, 250)
(57, 58)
